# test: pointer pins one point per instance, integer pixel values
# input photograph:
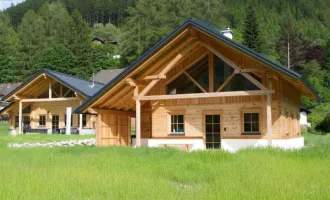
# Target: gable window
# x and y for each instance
(250, 123)
(42, 120)
(177, 124)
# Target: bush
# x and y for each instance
(324, 125)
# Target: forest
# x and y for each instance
(57, 34)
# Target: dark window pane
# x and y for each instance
(255, 117)
(247, 117)
(173, 128)
(216, 145)
(200, 72)
(216, 119)
(239, 83)
(216, 138)
(221, 72)
(180, 118)
(209, 138)
(255, 127)
(216, 128)
(180, 128)
(208, 119)
(183, 85)
(209, 146)
(209, 128)
(247, 127)
(175, 119)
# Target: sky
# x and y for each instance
(6, 3)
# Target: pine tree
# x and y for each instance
(32, 40)
(8, 51)
(290, 46)
(80, 45)
(252, 36)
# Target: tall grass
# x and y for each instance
(144, 173)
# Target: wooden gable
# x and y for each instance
(173, 58)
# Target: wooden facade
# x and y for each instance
(270, 110)
(42, 102)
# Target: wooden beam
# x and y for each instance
(204, 95)
(61, 90)
(238, 71)
(133, 82)
(155, 77)
(51, 99)
(226, 82)
(138, 123)
(50, 89)
(211, 72)
(194, 81)
(167, 68)
(20, 117)
(269, 112)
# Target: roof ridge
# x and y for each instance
(69, 75)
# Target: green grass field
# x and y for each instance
(127, 173)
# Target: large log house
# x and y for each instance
(198, 89)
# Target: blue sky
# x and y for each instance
(6, 3)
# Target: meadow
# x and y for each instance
(144, 173)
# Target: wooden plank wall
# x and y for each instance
(193, 113)
(290, 111)
(113, 129)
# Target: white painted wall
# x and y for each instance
(303, 119)
(230, 145)
(197, 144)
(234, 145)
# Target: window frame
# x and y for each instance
(250, 111)
(169, 123)
(40, 120)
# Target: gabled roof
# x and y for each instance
(104, 76)
(97, 39)
(79, 85)
(211, 30)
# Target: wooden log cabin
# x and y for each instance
(42, 103)
(197, 89)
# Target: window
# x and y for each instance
(251, 123)
(84, 120)
(42, 120)
(212, 131)
(177, 124)
(16, 121)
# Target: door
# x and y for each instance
(55, 123)
(26, 120)
(212, 131)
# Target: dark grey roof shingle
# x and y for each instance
(104, 76)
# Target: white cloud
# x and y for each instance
(7, 3)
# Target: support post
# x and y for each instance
(50, 89)
(80, 122)
(269, 111)
(68, 121)
(138, 123)
(20, 117)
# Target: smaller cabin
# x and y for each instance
(44, 104)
